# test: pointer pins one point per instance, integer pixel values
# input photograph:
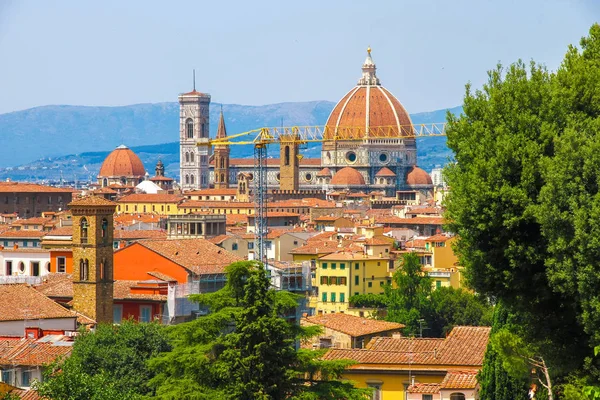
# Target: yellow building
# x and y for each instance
(163, 204)
(343, 274)
(392, 365)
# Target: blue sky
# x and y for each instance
(259, 52)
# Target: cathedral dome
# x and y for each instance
(348, 176)
(370, 109)
(122, 162)
(417, 176)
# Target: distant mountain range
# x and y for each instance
(50, 142)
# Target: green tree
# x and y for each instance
(409, 301)
(245, 349)
(451, 307)
(109, 363)
(525, 201)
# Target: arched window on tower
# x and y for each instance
(287, 155)
(83, 231)
(102, 269)
(222, 178)
(187, 179)
(222, 162)
(104, 182)
(104, 229)
(84, 269)
(192, 157)
(202, 130)
(187, 157)
(189, 128)
(191, 179)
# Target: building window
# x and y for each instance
(342, 266)
(356, 266)
(324, 265)
(324, 297)
(438, 284)
(332, 280)
(287, 155)
(324, 280)
(376, 390)
(341, 280)
(83, 231)
(9, 269)
(457, 396)
(191, 179)
(192, 157)
(202, 130)
(117, 313)
(61, 264)
(7, 376)
(370, 284)
(187, 157)
(145, 313)
(21, 267)
(104, 228)
(333, 297)
(356, 280)
(234, 246)
(48, 266)
(189, 128)
(26, 378)
(427, 397)
(84, 270)
(342, 297)
(333, 266)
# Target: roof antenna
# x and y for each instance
(194, 80)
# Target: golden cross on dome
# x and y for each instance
(369, 50)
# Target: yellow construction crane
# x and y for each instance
(297, 135)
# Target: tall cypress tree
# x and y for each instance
(494, 381)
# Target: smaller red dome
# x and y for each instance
(418, 176)
(122, 162)
(385, 172)
(347, 176)
(326, 172)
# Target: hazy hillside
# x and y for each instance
(57, 141)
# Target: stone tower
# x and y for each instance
(193, 128)
(93, 257)
(221, 158)
(160, 168)
(289, 169)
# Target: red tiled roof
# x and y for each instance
(91, 201)
(161, 178)
(317, 247)
(348, 176)
(23, 233)
(197, 255)
(438, 238)
(24, 187)
(122, 291)
(61, 231)
(151, 198)
(235, 219)
(424, 388)
(32, 221)
(22, 302)
(385, 172)
(30, 352)
(464, 346)
(409, 221)
(460, 380)
(353, 326)
(161, 276)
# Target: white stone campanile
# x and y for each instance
(193, 127)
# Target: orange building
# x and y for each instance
(182, 259)
(61, 260)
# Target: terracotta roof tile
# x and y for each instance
(122, 290)
(91, 201)
(464, 346)
(438, 238)
(197, 255)
(23, 233)
(122, 234)
(460, 380)
(61, 231)
(424, 388)
(353, 326)
(29, 352)
(23, 302)
(161, 276)
(317, 247)
(151, 198)
(24, 187)
(387, 220)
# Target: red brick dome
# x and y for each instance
(370, 109)
(122, 162)
(416, 176)
(348, 176)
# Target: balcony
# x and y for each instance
(439, 274)
(30, 280)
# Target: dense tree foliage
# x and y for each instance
(107, 364)
(525, 201)
(245, 349)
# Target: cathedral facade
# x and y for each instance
(384, 159)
